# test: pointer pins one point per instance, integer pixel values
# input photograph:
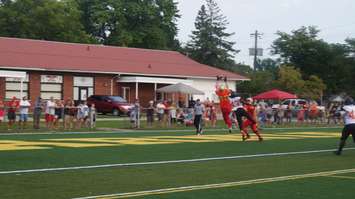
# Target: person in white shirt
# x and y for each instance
(24, 107)
(349, 128)
(50, 113)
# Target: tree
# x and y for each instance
(314, 88)
(305, 51)
(260, 81)
(290, 79)
(133, 23)
(209, 42)
(42, 19)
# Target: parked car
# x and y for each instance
(110, 104)
(293, 102)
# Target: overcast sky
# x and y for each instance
(335, 19)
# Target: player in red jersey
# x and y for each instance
(223, 93)
(250, 108)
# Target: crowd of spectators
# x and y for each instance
(58, 114)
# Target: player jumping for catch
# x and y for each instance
(223, 93)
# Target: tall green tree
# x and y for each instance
(42, 19)
(209, 42)
(133, 23)
(313, 56)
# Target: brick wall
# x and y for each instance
(102, 85)
(2, 88)
(68, 86)
(34, 89)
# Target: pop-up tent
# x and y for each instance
(274, 95)
(180, 88)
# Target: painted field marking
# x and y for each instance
(167, 162)
(220, 185)
(342, 177)
(14, 145)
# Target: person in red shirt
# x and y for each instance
(250, 108)
(223, 93)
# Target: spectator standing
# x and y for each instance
(2, 111)
(213, 114)
(134, 115)
(58, 113)
(11, 112)
(37, 112)
(80, 114)
(300, 114)
(85, 110)
(172, 113)
(199, 110)
(24, 107)
(288, 113)
(160, 111)
(150, 113)
(69, 114)
(313, 112)
(268, 114)
(92, 113)
(50, 113)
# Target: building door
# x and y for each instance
(83, 93)
(126, 93)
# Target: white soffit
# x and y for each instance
(158, 80)
(13, 74)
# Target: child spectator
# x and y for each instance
(92, 116)
(24, 106)
(172, 113)
(37, 113)
(213, 114)
(180, 116)
(11, 112)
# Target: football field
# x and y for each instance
(289, 163)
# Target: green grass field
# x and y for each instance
(290, 163)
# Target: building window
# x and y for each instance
(126, 92)
(83, 88)
(51, 86)
(13, 87)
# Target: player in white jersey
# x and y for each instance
(349, 128)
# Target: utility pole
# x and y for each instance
(256, 36)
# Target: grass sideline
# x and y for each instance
(124, 124)
(103, 181)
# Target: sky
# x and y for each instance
(335, 19)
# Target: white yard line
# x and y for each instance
(167, 162)
(220, 185)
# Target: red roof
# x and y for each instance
(275, 94)
(27, 54)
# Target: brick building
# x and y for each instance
(76, 71)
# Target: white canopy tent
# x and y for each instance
(15, 74)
